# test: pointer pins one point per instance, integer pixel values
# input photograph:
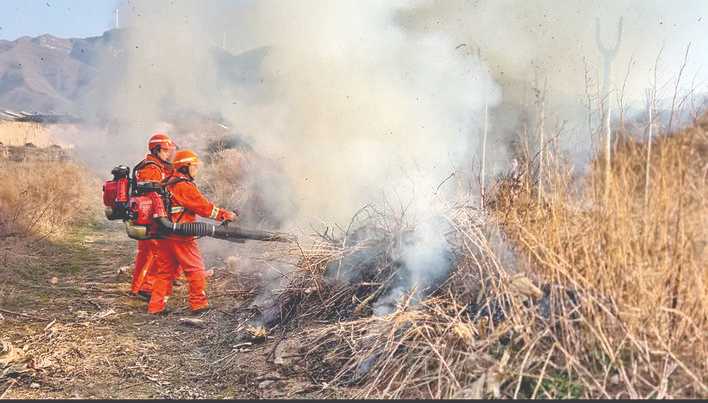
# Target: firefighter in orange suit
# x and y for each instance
(156, 167)
(182, 251)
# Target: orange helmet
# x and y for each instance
(160, 140)
(185, 158)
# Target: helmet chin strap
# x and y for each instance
(186, 172)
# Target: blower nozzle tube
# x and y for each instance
(230, 233)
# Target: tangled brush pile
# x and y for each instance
(576, 298)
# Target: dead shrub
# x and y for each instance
(45, 198)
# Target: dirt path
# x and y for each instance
(70, 330)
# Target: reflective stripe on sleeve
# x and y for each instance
(214, 213)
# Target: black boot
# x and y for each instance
(144, 295)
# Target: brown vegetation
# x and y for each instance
(44, 198)
(610, 301)
(643, 254)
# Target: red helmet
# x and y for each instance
(185, 158)
(160, 140)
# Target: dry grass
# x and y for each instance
(647, 262)
(44, 198)
(607, 301)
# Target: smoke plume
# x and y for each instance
(358, 98)
(351, 103)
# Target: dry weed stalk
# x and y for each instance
(647, 264)
(611, 302)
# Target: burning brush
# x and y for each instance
(416, 309)
(377, 269)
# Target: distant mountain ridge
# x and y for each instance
(47, 75)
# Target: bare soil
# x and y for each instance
(70, 330)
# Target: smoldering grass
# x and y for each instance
(595, 303)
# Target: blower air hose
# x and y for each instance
(230, 233)
(236, 232)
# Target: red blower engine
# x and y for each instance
(116, 193)
(138, 204)
(141, 205)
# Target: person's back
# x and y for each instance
(154, 168)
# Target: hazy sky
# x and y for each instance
(62, 18)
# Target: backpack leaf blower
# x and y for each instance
(141, 205)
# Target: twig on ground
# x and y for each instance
(11, 382)
(23, 315)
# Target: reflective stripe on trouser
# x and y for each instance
(171, 254)
(144, 272)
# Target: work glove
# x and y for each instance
(225, 215)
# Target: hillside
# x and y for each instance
(46, 74)
(51, 75)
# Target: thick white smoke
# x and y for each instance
(354, 97)
(526, 42)
(426, 259)
(352, 104)
(560, 38)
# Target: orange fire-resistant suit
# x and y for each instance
(151, 169)
(183, 251)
